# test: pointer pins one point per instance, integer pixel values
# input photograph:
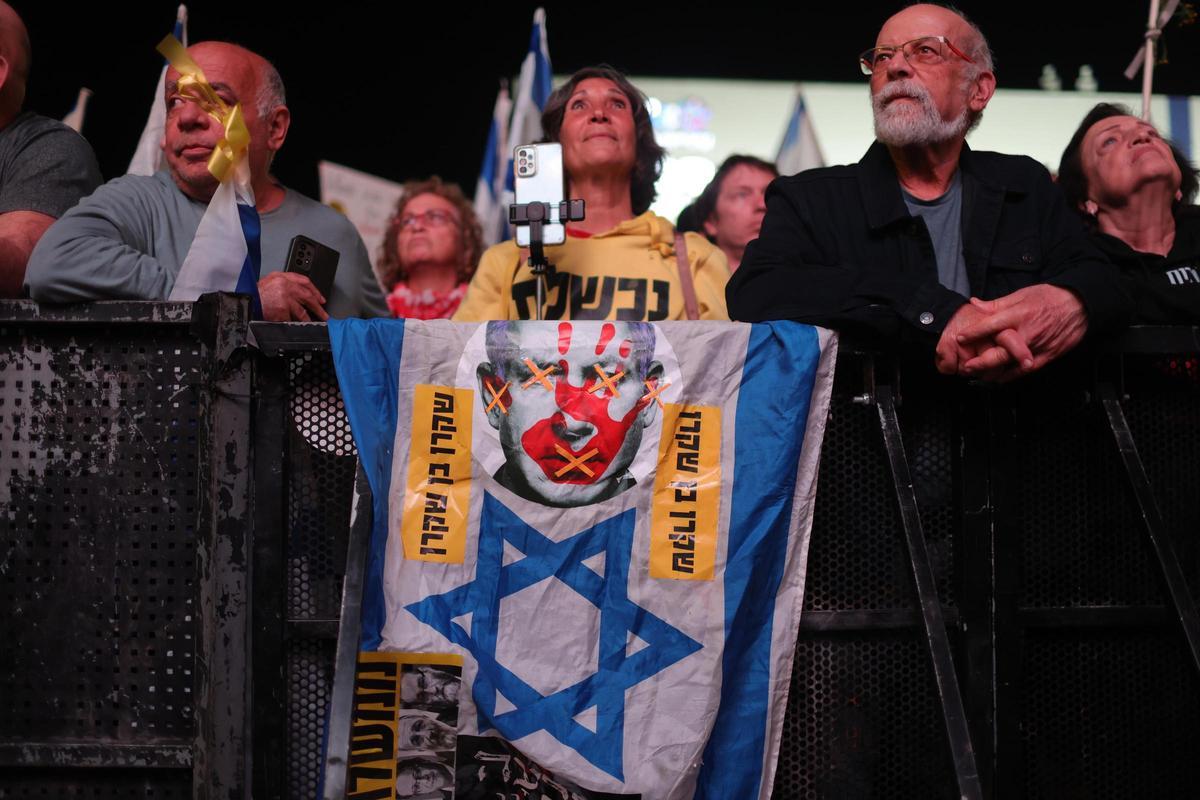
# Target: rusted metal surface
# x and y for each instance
(104, 312)
(88, 754)
(222, 750)
(98, 439)
(280, 338)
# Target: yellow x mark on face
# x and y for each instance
(655, 391)
(575, 462)
(606, 381)
(496, 401)
(539, 376)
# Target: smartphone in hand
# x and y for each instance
(313, 260)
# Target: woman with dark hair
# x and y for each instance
(622, 261)
(1134, 190)
(429, 250)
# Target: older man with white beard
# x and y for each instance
(925, 239)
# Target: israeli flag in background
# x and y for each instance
(533, 89)
(602, 527)
(799, 150)
(492, 215)
(148, 158)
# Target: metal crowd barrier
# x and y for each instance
(999, 599)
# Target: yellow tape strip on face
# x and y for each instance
(497, 396)
(576, 462)
(195, 87)
(607, 381)
(655, 391)
(539, 375)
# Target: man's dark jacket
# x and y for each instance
(838, 248)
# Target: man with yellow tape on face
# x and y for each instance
(130, 239)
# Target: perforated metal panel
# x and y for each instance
(310, 681)
(1082, 540)
(321, 466)
(928, 423)
(857, 558)
(98, 452)
(863, 721)
(1110, 715)
(1163, 408)
(95, 784)
(321, 461)
(863, 718)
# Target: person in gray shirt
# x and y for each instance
(130, 238)
(45, 167)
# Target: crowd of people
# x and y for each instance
(981, 256)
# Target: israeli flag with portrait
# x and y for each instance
(588, 555)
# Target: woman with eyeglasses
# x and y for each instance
(622, 261)
(1134, 190)
(429, 251)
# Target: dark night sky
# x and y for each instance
(405, 90)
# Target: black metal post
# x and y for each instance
(936, 639)
(268, 585)
(1164, 553)
(975, 553)
(220, 768)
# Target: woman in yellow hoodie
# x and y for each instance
(622, 261)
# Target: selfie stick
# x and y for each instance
(535, 215)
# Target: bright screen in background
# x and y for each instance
(700, 122)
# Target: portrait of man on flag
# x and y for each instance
(569, 406)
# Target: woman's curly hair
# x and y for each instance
(391, 271)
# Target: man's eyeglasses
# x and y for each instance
(433, 218)
(926, 51)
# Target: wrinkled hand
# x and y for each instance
(1049, 319)
(290, 297)
(990, 356)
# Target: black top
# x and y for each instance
(838, 248)
(1165, 291)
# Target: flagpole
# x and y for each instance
(147, 156)
(1152, 34)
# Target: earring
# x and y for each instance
(1091, 208)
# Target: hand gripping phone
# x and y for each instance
(538, 178)
(314, 261)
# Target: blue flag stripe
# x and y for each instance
(490, 161)
(1179, 108)
(366, 356)
(773, 402)
(793, 132)
(543, 80)
(252, 266)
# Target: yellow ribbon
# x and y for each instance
(195, 87)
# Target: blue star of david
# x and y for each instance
(619, 616)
